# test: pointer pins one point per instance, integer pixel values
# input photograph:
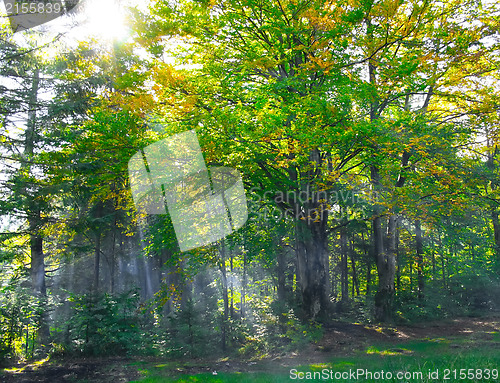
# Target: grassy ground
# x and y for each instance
(428, 360)
(460, 350)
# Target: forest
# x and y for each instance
(363, 137)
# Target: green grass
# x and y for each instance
(414, 357)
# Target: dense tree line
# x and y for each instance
(366, 135)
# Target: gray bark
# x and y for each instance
(313, 266)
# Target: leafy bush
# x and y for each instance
(277, 328)
(465, 295)
(20, 314)
(105, 324)
(190, 331)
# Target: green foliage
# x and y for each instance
(191, 331)
(20, 314)
(475, 294)
(277, 329)
(358, 309)
(104, 325)
(465, 295)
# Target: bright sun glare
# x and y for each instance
(101, 19)
(104, 19)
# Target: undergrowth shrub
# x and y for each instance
(20, 316)
(276, 328)
(104, 324)
(190, 331)
(464, 295)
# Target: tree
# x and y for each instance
(415, 53)
(27, 194)
(272, 98)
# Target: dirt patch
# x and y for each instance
(343, 339)
(91, 370)
(452, 327)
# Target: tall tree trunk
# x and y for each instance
(313, 266)
(368, 277)
(97, 262)
(386, 260)
(398, 262)
(187, 291)
(443, 270)
(231, 287)
(420, 259)
(496, 230)
(492, 154)
(443, 260)
(355, 279)
(310, 216)
(411, 273)
(368, 256)
(282, 295)
(37, 266)
(113, 259)
(97, 246)
(244, 284)
(37, 256)
(225, 297)
(433, 260)
(33, 212)
(344, 279)
(386, 263)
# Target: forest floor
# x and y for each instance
(343, 347)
